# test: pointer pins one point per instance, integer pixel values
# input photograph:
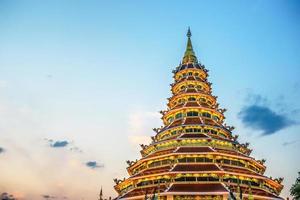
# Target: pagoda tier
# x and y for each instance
(194, 154)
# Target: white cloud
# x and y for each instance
(141, 124)
(139, 139)
(3, 84)
(32, 168)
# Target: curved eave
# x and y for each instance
(221, 172)
(192, 94)
(178, 139)
(186, 82)
(195, 153)
(202, 69)
(203, 125)
(192, 107)
(188, 193)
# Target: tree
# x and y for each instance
(6, 196)
(295, 189)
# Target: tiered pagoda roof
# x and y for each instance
(194, 155)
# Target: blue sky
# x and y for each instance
(92, 75)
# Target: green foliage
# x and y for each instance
(295, 189)
(6, 196)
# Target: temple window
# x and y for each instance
(232, 180)
(222, 135)
(202, 99)
(247, 182)
(190, 160)
(196, 74)
(181, 179)
(170, 119)
(164, 162)
(165, 136)
(189, 130)
(173, 132)
(213, 132)
(238, 163)
(192, 113)
(180, 101)
(161, 181)
(199, 87)
(203, 159)
(190, 73)
(190, 179)
(182, 160)
(178, 115)
(155, 164)
(206, 114)
(207, 179)
(191, 99)
(216, 118)
(225, 161)
(254, 184)
(193, 179)
(144, 183)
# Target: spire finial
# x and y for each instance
(189, 55)
(189, 33)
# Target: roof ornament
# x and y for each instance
(189, 55)
(189, 34)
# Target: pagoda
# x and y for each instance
(194, 155)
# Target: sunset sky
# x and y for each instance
(81, 84)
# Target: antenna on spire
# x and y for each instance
(189, 55)
(189, 33)
(101, 194)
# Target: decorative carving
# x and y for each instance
(230, 128)
(156, 130)
(222, 110)
(249, 151)
(117, 181)
(279, 180)
(130, 163)
(143, 146)
(163, 112)
(235, 138)
(153, 138)
(262, 161)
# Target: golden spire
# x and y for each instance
(101, 194)
(189, 55)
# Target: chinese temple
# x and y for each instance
(195, 155)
